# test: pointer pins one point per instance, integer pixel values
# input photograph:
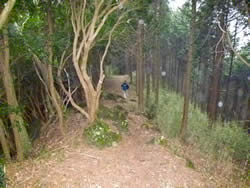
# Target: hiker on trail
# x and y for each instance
(125, 88)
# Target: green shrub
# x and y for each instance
(101, 135)
(160, 140)
(2, 177)
(151, 111)
(111, 96)
(224, 141)
(118, 114)
(189, 163)
(104, 113)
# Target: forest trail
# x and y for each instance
(70, 163)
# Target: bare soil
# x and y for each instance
(69, 162)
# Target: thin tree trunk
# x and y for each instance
(184, 124)
(230, 70)
(23, 144)
(204, 88)
(56, 100)
(4, 143)
(216, 77)
(153, 73)
(130, 68)
(158, 71)
(140, 64)
(148, 88)
(126, 62)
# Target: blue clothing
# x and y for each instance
(125, 86)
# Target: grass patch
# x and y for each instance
(100, 135)
(150, 126)
(189, 164)
(159, 141)
(225, 141)
(2, 177)
(117, 114)
(111, 96)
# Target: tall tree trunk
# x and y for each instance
(23, 144)
(158, 71)
(204, 88)
(126, 62)
(153, 72)
(4, 143)
(148, 91)
(184, 123)
(56, 99)
(216, 77)
(230, 70)
(140, 64)
(178, 76)
(130, 59)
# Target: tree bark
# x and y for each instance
(216, 78)
(5, 12)
(230, 70)
(184, 123)
(4, 143)
(158, 71)
(148, 74)
(140, 64)
(130, 61)
(23, 144)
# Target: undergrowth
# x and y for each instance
(225, 141)
(101, 135)
(2, 176)
(117, 114)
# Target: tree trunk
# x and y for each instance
(23, 144)
(184, 123)
(140, 64)
(130, 59)
(148, 88)
(5, 12)
(93, 106)
(126, 62)
(216, 77)
(230, 71)
(158, 71)
(4, 143)
(56, 99)
(153, 72)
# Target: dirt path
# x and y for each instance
(132, 163)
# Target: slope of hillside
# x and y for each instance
(134, 162)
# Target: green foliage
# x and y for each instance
(118, 114)
(189, 164)
(224, 141)
(6, 109)
(159, 141)
(2, 177)
(111, 96)
(104, 112)
(101, 135)
(151, 111)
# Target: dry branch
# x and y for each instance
(226, 32)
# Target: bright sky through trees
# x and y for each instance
(175, 4)
(244, 37)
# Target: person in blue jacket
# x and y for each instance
(125, 88)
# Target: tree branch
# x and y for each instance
(6, 11)
(231, 45)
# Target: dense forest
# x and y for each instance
(188, 73)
